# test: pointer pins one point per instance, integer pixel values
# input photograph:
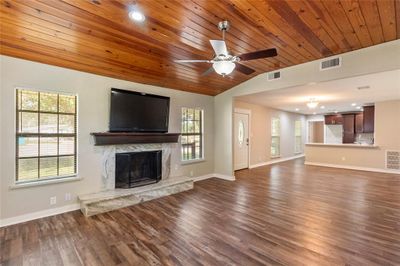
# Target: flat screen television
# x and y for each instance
(132, 111)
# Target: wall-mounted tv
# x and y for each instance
(132, 111)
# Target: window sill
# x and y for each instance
(45, 182)
(192, 161)
(275, 157)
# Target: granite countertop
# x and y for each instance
(345, 145)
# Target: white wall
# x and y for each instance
(260, 132)
(383, 57)
(223, 163)
(1, 146)
(93, 94)
(287, 121)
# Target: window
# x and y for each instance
(275, 137)
(192, 134)
(45, 135)
(298, 138)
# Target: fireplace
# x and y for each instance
(133, 169)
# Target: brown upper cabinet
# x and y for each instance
(348, 128)
(369, 119)
(359, 123)
(333, 120)
(364, 122)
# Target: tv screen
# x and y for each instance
(138, 112)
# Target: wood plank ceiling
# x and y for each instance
(97, 36)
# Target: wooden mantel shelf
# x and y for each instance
(116, 138)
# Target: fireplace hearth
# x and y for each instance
(133, 169)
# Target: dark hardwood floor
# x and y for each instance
(285, 214)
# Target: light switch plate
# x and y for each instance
(67, 196)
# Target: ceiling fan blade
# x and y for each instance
(219, 47)
(191, 61)
(208, 71)
(244, 69)
(258, 54)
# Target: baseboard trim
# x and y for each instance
(276, 161)
(350, 167)
(38, 215)
(204, 177)
(225, 177)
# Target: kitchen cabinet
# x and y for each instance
(369, 119)
(359, 120)
(348, 128)
(333, 120)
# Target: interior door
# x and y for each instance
(316, 132)
(241, 140)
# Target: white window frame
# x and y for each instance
(202, 146)
(276, 136)
(295, 137)
(46, 180)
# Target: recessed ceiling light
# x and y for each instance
(137, 16)
(336, 112)
(322, 107)
(297, 109)
(353, 104)
(312, 83)
(358, 107)
(314, 113)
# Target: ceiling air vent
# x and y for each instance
(393, 160)
(331, 63)
(363, 87)
(274, 75)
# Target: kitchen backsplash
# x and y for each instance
(334, 134)
(365, 138)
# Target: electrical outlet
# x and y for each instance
(191, 173)
(176, 167)
(67, 196)
(53, 200)
(343, 158)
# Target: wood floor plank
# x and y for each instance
(283, 214)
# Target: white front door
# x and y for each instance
(241, 140)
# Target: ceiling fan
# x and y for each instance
(223, 62)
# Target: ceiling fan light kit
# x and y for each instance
(224, 67)
(223, 62)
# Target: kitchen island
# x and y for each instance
(347, 156)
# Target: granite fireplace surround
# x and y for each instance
(111, 198)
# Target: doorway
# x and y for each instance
(315, 131)
(241, 139)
